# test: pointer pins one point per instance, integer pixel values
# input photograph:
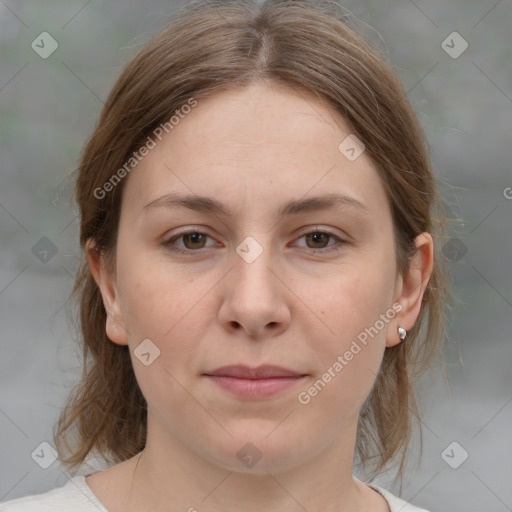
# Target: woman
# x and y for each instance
(259, 288)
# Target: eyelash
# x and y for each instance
(169, 244)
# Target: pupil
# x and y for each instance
(317, 237)
(195, 238)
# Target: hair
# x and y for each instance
(212, 46)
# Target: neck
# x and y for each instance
(167, 475)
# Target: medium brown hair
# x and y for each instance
(207, 47)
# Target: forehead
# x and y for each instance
(260, 142)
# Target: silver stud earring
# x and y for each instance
(402, 333)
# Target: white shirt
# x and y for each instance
(77, 496)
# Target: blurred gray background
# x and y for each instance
(463, 97)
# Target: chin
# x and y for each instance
(258, 454)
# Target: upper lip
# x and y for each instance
(259, 372)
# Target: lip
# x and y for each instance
(254, 383)
(266, 371)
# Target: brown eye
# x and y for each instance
(194, 240)
(320, 242)
(188, 243)
(318, 239)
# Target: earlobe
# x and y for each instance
(115, 331)
(105, 280)
(412, 288)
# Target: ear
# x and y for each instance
(106, 282)
(411, 287)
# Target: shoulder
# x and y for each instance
(396, 504)
(74, 495)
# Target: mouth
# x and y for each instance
(254, 383)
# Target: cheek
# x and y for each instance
(354, 298)
(167, 311)
(357, 308)
(168, 308)
(348, 363)
(156, 298)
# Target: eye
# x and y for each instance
(318, 241)
(192, 241)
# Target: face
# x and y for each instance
(291, 264)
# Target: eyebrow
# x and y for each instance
(292, 207)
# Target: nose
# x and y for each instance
(255, 300)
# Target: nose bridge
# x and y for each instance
(253, 298)
(253, 268)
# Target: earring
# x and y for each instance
(402, 333)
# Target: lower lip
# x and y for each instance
(254, 388)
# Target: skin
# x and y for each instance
(253, 149)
